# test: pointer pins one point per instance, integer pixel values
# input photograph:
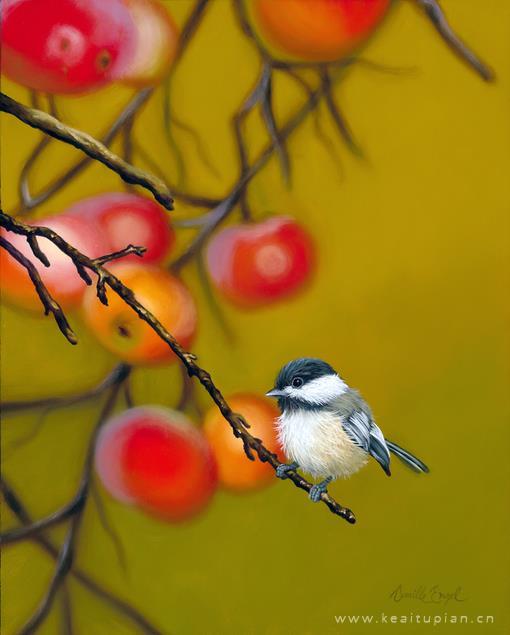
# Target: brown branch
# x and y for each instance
(66, 610)
(65, 401)
(336, 115)
(126, 116)
(50, 305)
(216, 216)
(196, 200)
(64, 561)
(89, 145)
(237, 423)
(190, 27)
(29, 202)
(107, 527)
(130, 249)
(16, 505)
(61, 515)
(436, 15)
(66, 553)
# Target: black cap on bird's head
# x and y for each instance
(293, 379)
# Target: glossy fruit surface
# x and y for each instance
(256, 264)
(318, 30)
(236, 471)
(65, 46)
(61, 278)
(123, 333)
(129, 219)
(156, 43)
(158, 460)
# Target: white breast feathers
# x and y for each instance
(319, 444)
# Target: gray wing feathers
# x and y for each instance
(379, 449)
(358, 423)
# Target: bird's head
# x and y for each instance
(307, 383)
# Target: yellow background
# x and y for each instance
(409, 303)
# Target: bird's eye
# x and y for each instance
(297, 382)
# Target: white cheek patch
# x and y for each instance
(320, 391)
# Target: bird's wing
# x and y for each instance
(359, 425)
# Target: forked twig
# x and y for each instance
(50, 305)
(89, 145)
(238, 424)
(15, 504)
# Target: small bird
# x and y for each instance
(326, 428)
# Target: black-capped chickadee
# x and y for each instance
(326, 428)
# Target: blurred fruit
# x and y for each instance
(318, 30)
(129, 219)
(65, 46)
(122, 332)
(157, 459)
(236, 471)
(156, 43)
(256, 264)
(61, 278)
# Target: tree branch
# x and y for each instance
(217, 215)
(436, 15)
(29, 202)
(339, 120)
(130, 249)
(66, 553)
(89, 145)
(16, 505)
(50, 305)
(238, 424)
(71, 400)
(66, 610)
(27, 531)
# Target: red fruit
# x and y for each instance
(256, 264)
(65, 46)
(155, 458)
(318, 30)
(121, 331)
(156, 43)
(129, 219)
(236, 472)
(61, 278)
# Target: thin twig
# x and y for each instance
(130, 249)
(217, 215)
(66, 554)
(189, 29)
(69, 400)
(212, 301)
(107, 526)
(27, 531)
(50, 305)
(89, 145)
(237, 422)
(67, 609)
(29, 201)
(128, 393)
(436, 15)
(196, 200)
(199, 144)
(16, 505)
(338, 118)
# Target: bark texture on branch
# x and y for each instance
(106, 279)
(89, 145)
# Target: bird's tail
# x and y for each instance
(406, 457)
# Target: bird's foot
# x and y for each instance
(283, 468)
(317, 490)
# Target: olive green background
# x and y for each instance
(410, 303)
